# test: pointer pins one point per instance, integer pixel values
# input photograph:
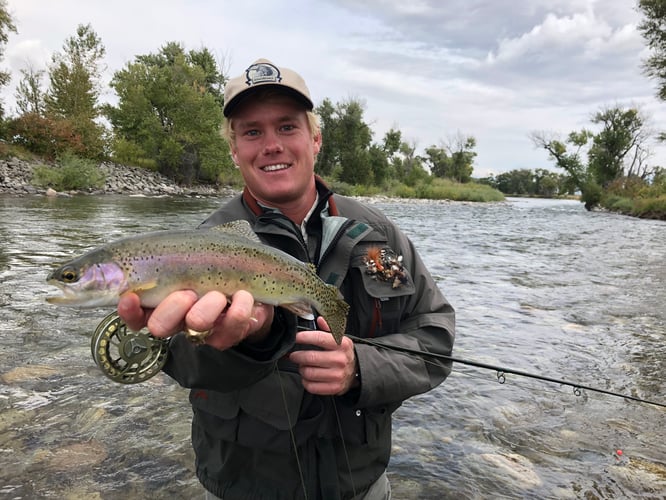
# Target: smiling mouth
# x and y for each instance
(275, 168)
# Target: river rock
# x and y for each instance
(28, 372)
(16, 178)
(516, 466)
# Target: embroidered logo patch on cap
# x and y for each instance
(262, 73)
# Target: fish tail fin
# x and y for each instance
(337, 314)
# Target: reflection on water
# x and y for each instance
(539, 285)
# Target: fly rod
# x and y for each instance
(502, 371)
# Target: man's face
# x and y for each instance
(275, 150)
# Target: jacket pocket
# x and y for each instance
(386, 291)
(366, 426)
(274, 400)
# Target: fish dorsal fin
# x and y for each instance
(238, 228)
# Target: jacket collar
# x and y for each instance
(325, 195)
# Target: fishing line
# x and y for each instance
(291, 432)
(503, 371)
(344, 447)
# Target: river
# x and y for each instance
(540, 286)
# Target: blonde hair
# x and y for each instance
(267, 94)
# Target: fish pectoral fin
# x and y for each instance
(299, 308)
(143, 287)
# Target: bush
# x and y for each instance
(654, 208)
(129, 153)
(71, 174)
(619, 204)
(403, 191)
(47, 137)
(446, 189)
(591, 194)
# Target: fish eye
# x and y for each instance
(69, 275)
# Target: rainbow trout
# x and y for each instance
(226, 258)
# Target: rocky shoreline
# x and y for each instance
(16, 179)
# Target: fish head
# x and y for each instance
(86, 282)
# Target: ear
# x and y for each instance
(234, 154)
(316, 143)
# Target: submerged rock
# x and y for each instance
(516, 466)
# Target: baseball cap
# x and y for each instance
(260, 73)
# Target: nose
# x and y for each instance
(272, 143)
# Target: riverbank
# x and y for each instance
(16, 178)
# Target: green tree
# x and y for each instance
(438, 161)
(568, 156)
(169, 113)
(328, 154)
(379, 165)
(213, 79)
(653, 29)
(618, 150)
(409, 166)
(75, 86)
(518, 182)
(391, 142)
(461, 150)
(546, 183)
(453, 161)
(29, 95)
(346, 142)
(6, 27)
(390, 146)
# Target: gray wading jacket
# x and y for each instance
(249, 405)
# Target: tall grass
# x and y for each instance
(433, 189)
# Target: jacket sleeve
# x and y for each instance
(427, 323)
(204, 367)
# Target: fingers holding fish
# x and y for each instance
(230, 322)
(329, 371)
(168, 318)
(205, 312)
(131, 312)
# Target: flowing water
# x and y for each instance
(538, 285)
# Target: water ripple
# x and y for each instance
(538, 285)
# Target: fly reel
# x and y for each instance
(125, 356)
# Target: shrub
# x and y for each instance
(619, 204)
(71, 174)
(44, 136)
(654, 208)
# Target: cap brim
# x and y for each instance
(243, 96)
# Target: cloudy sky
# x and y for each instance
(493, 69)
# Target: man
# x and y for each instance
(280, 410)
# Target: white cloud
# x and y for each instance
(28, 53)
(495, 69)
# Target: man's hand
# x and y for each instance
(229, 322)
(331, 371)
